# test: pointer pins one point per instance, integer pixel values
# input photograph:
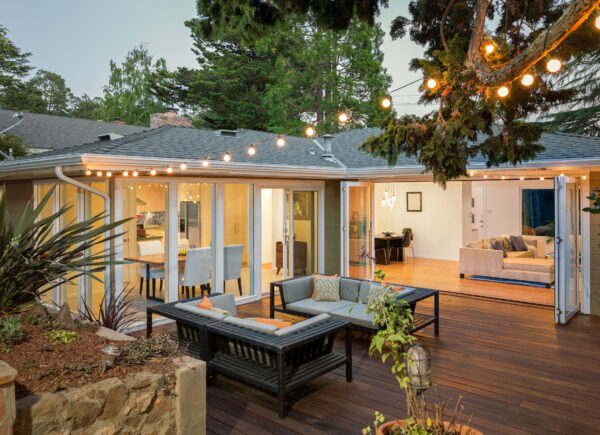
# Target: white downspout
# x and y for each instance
(61, 176)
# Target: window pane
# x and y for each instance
(238, 238)
(41, 190)
(68, 197)
(538, 212)
(94, 205)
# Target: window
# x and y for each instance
(537, 207)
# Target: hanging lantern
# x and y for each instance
(418, 366)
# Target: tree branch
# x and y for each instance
(443, 23)
(573, 17)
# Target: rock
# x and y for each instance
(140, 380)
(38, 311)
(162, 406)
(116, 395)
(63, 318)
(82, 413)
(111, 334)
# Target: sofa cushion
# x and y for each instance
(297, 289)
(225, 302)
(205, 303)
(363, 293)
(275, 322)
(541, 265)
(517, 243)
(312, 306)
(251, 324)
(520, 254)
(349, 289)
(355, 313)
(497, 245)
(403, 293)
(300, 325)
(327, 288)
(192, 308)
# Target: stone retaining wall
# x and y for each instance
(145, 403)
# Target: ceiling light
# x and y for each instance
(541, 178)
(280, 142)
(343, 117)
(386, 103)
(527, 80)
(584, 177)
(152, 171)
(169, 170)
(135, 173)
(251, 151)
(109, 174)
(471, 173)
(489, 47)
(88, 172)
(553, 65)
(503, 177)
(309, 131)
(562, 175)
(99, 173)
(183, 166)
(125, 174)
(227, 156)
(503, 91)
(431, 83)
(205, 163)
(521, 178)
(485, 176)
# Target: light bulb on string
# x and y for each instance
(99, 173)
(598, 23)
(431, 83)
(309, 131)
(251, 150)
(343, 117)
(205, 163)
(109, 174)
(489, 47)
(502, 91)
(521, 178)
(125, 174)
(152, 171)
(280, 142)
(135, 173)
(527, 80)
(88, 172)
(169, 170)
(183, 166)
(553, 65)
(227, 157)
(386, 103)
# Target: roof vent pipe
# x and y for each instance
(327, 139)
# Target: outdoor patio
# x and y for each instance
(516, 371)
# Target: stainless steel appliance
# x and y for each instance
(189, 222)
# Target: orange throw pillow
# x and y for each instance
(314, 285)
(205, 304)
(397, 289)
(280, 324)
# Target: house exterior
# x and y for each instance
(308, 206)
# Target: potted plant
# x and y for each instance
(410, 367)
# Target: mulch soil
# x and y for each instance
(44, 365)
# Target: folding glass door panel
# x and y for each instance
(303, 243)
(357, 230)
(566, 248)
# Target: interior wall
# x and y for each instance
(437, 229)
(594, 249)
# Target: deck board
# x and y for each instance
(517, 372)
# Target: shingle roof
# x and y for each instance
(57, 132)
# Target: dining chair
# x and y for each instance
(150, 247)
(397, 249)
(196, 272)
(183, 245)
(233, 264)
(408, 242)
(381, 252)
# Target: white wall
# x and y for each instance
(437, 229)
(272, 222)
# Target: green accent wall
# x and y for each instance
(332, 227)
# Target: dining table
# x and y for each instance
(388, 241)
(156, 261)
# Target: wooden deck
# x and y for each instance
(517, 372)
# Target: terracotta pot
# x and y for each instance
(385, 428)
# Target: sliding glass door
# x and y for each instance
(357, 230)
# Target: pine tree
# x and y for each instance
(14, 67)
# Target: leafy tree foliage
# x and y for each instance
(14, 66)
(54, 94)
(8, 141)
(472, 118)
(84, 107)
(293, 75)
(126, 95)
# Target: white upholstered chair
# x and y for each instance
(233, 264)
(150, 247)
(198, 262)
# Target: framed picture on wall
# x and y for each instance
(414, 201)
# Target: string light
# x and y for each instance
(527, 80)
(205, 163)
(553, 65)
(503, 91)
(485, 176)
(152, 171)
(227, 156)
(343, 117)
(109, 174)
(183, 166)
(503, 177)
(99, 173)
(251, 151)
(489, 47)
(521, 178)
(471, 173)
(125, 174)
(584, 177)
(169, 170)
(280, 142)
(309, 131)
(386, 103)
(88, 172)
(541, 178)
(135, 173)
(431, 83)
(562, 175)
(598, 23)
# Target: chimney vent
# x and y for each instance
(327, 139)
(170, 117)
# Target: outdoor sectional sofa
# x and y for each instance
(296, 298)
(261, 355)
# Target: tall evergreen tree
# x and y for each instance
(52, 90)
(14, 67)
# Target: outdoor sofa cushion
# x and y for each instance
(312, 306)
(225, 302)
(349, 289)
(300, 325)
(250, 324)
(355, 313)
(297, 289)
(192, 308)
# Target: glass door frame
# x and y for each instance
(345, 223)
(562, 258)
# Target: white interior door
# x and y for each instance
(566, 248)
(478, 212)
(358, 253)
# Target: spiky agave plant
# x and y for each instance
(118, 314)
(34, 259)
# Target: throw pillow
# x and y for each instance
(485, 244)
(327, 288)
(518, 244)
(376, 290)
(497, 246)
(315, 276)
(506, 244)
(220, 311)
(205, 304)
(275, 322)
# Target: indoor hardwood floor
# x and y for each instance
(444, 275)
(516, 371)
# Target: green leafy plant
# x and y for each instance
(36, 259)
(143, 349)
(63, 336)
(10, 330)
(118, 315)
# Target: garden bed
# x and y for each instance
(44, 365)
